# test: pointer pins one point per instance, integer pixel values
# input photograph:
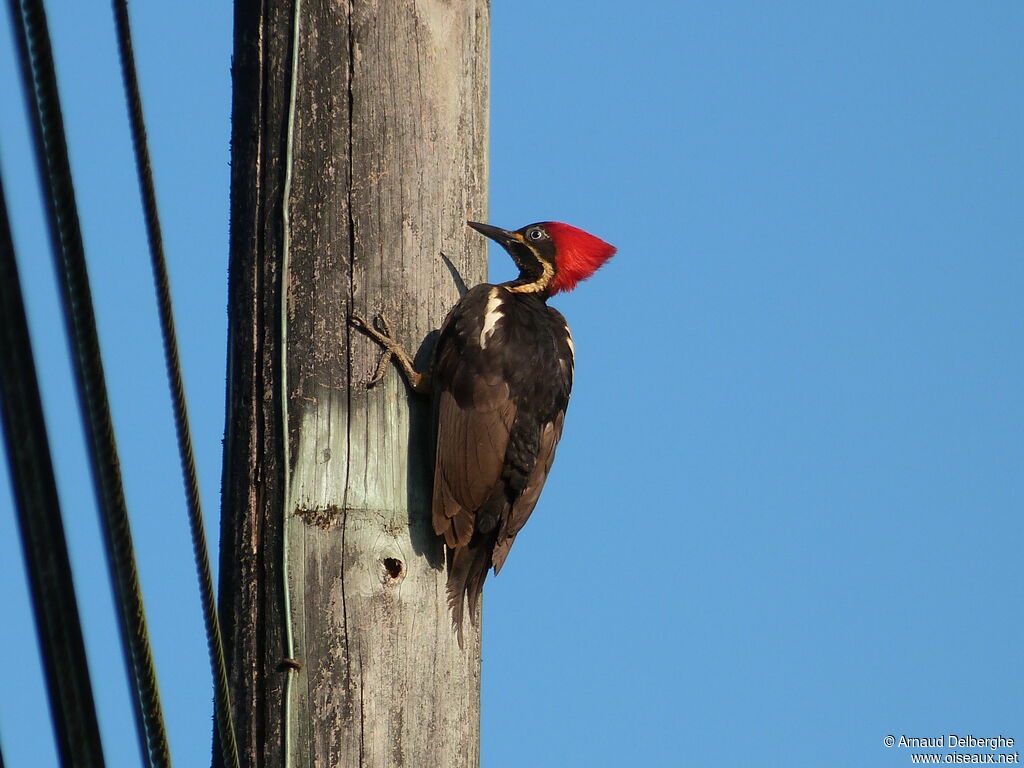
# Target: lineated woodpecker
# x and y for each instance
(500, 377)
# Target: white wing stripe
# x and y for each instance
(491, 316)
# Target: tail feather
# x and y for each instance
(467, 570)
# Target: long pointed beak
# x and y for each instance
(501, 236)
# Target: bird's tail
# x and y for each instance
(467, 569)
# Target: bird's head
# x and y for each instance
(551, 256)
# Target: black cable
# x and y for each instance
(214, 643)
(41, 526)
(36, 59)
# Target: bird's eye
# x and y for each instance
(535, 234)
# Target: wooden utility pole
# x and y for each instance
(388, 154)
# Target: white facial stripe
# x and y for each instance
(491, 316)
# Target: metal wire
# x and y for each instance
(41, 526)
(214, 643)
(36, 58)
(291, 671)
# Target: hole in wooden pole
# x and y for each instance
(394, 568)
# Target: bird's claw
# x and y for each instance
(382, 368)
(380, 332)
(379, 328)
(382, 325)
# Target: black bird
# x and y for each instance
(500, 376)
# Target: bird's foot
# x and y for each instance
(380, 331)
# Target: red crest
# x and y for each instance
(578, 255)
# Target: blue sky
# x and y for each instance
(786, 515)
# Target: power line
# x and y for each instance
(41, 525)
(36, 59)
(214, 643)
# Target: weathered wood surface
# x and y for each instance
(390, 149)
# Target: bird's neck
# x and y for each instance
(535, 278)
(527, 286)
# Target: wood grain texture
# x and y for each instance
(389, 158)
